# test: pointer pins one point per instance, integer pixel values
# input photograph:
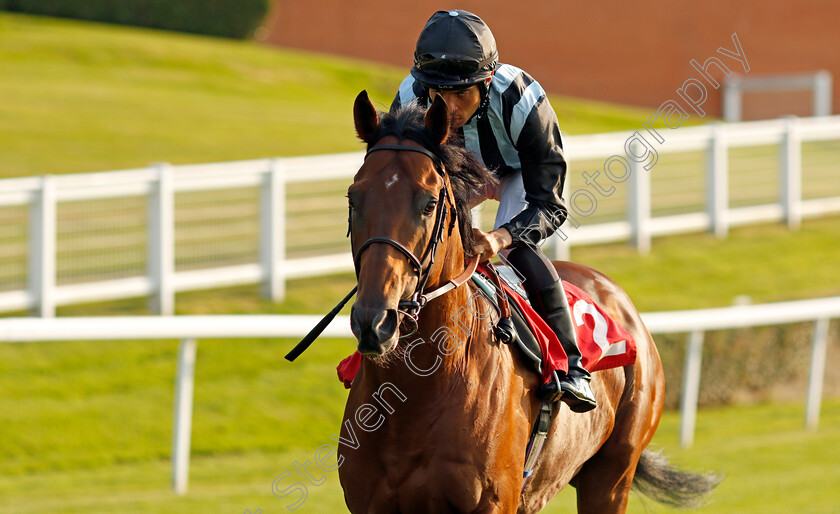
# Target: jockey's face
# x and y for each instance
(462, 103)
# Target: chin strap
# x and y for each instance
(485, 100)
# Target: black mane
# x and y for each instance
(469, 177)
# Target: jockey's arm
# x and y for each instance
(543, 174)
(488, 244)
(540, 148)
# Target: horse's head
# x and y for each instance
(408, 213)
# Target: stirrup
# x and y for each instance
(559, 390)
(550, 392)
(505, 330)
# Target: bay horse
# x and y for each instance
(439, 421)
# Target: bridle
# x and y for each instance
(418, 299)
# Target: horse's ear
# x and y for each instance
(365, 117)
(437, 120)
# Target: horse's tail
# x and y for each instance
(657, 479)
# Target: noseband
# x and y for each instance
(413, 305)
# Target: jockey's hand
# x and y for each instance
(488, 244)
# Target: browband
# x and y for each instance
(419, 149)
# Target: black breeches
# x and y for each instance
(534, 267)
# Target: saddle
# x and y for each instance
(603, 342)
(512, 326)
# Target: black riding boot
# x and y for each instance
(573, 388)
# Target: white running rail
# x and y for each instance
(191, 328)
(38, 201)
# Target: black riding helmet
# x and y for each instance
(455, 50)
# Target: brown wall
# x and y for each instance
(613, 50)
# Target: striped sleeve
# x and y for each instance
(408, 91)
(533, 128)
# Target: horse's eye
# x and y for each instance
(430, 207)
(350, 203)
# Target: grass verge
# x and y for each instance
(770, 462)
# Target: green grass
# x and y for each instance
(87, 97)
(771, 464)
(90, 97)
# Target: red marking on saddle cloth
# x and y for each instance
(603, 343)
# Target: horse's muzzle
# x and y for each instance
(376, 329)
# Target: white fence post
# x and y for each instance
(819, 83)
(816, 374)
(822, 93)
(717, 181)
(790, 173)
(273, 232)
(161, 242)
(638, 205)
(42, 248)
(182, 419)
(475, 214)
(731, 101)
(690, 388)
(562, 248)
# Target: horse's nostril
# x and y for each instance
(385, 324)
(374, 327)
(355, 326)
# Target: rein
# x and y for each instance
(419, 299)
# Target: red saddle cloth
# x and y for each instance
(603, 343)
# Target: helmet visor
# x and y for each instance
(460, 68)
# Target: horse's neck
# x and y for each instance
(454, 331)
(451, 325)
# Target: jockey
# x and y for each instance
(504, 118)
